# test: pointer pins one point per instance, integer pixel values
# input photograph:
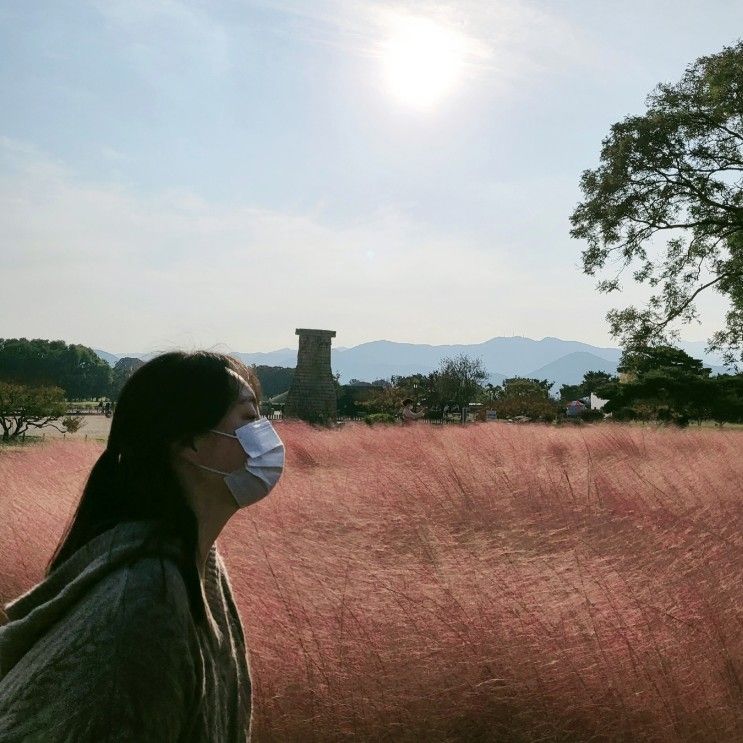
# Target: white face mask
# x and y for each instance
(263, 466)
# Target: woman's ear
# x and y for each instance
(184, 449)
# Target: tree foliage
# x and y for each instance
(670, 182)
(460, 379)
(641, 361)
(421, 388)
(726, 399)
(77, 369)
(524, 396)
(359, 398)
(521, 387)
(457, 382)
(23, 406)
(379, 401)
(274, 379)
(661, 383)
(593, 381)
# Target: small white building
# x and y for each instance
(596, 402)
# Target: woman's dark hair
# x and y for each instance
(407, 401)
(169, 400)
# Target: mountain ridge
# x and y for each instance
(561, 361)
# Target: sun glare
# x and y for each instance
(422, 60)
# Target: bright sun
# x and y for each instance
(422, 60)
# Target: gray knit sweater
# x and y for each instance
(106, 649)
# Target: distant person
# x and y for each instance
(100, 406)
(408, 415)
(107, 409)
(133, 635)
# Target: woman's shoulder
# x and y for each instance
(119, 660)
(148, 587)
(138, 602)
(132, 617)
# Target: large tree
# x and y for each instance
(667, 201)
(663, 383)
(459, 380)
(515, 387)
(639, 361)
(23, 407)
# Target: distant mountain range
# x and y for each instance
(560, 361)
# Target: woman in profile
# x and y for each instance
(133, 635)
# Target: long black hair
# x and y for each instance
(169, 400)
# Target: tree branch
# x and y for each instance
(684, 183)
(691, 298)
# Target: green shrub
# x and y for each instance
(379, 418)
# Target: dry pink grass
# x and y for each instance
(488, 583)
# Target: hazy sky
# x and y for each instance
(177, 173)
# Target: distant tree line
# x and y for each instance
(451, 388)
(76, 369)
(659, 383)
(83, 375)
(655, 383)
(39, 377)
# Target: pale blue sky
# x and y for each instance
(177, 173)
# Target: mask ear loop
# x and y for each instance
(211, 469)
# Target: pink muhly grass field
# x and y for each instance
(492, 582)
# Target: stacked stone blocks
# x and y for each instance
(312, 395)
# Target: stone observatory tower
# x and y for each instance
(312, 392)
